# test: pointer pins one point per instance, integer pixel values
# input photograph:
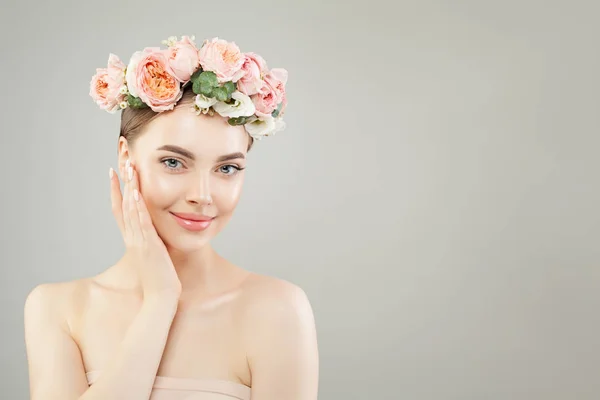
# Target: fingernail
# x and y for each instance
(127, 164)
(136, 195)
(111, 172)
(130, 173)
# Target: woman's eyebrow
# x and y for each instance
(188, 154)
(231, 156)
(179, 150)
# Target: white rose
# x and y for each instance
(204, 102)
(258, 128)
(241, 107)
(279, 125)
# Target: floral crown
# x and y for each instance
(236, 85)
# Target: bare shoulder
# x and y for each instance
(53, 357)
(279, 335)
(275, 313)
(271, 296)
(54, 300)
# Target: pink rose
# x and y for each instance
(265, 101)
(150, 78)
(254, 68)
(283, 105)
(277, 78)
(184, 59)
(106, 84)
(223, 58)
(116, 70)
(271, 93)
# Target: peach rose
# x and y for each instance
(223, 58)
(254, 68)
(184, 58)
(150, 78)
(106, 85)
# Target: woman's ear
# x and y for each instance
(123, 155)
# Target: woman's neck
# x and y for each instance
(202, 270)
(196, 269)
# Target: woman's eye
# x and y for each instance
(229, 169)
(171, 163)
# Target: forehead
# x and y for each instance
(204, 135)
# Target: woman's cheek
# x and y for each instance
(231, 194)
(158, 186)
(165, 181)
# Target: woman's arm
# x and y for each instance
(56, 371)
(282, 345)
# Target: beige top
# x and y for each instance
(167, 388)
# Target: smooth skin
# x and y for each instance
(172, 306)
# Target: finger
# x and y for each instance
(146, 225)
(126, 202)
(133, 207)
(116, 199)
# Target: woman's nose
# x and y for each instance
(199, 191)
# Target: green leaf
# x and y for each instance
(221, 94)
(238, 120)
(207, 90)
(135, 102)
(208, 78)
(276, 111)
(230, 87)
(201, 88)
(196, 75)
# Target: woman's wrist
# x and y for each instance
(167, 298)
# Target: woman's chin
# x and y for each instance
(187, 243)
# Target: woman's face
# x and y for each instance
(192, 166)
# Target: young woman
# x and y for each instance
(172, 319)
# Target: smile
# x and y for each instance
(195, 225)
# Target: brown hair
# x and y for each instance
(134, 120)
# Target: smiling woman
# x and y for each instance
(172, 319)
(179, 155)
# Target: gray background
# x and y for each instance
(435, 192)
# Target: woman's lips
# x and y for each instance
(195, 225)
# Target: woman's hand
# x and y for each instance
(144, 247)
